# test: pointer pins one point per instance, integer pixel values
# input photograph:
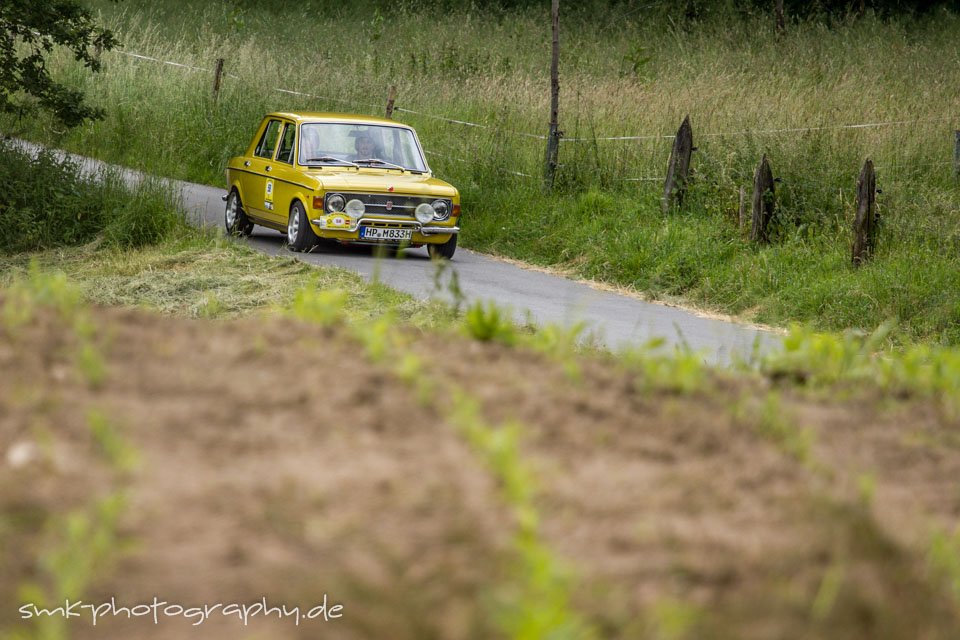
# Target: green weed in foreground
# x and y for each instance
(489, 322)
(779, 428)
(562, 344)
(323, 307)
(81, 545)
(680, 371)
(824, 360)
(121, 456)
(89, 359)
(944, 560)
(39, 288)
(829, 590)
(674, 619)
(536, 601)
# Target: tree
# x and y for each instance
(31, 29)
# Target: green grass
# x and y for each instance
(637, 71)
(47, 202)
(702, 258)
(200, 275)
(830, 361)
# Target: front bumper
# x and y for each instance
(418, 227)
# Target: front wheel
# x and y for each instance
(235, 218)
(300, 236)
(445, 250)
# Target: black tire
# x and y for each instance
(445, 250)
(300, 236)
(235, 219)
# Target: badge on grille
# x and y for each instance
(389, 205)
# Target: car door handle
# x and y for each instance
(268, 168)
(247, 163)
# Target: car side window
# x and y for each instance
(285, 153)
(268, 141)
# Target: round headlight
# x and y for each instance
(441, 210)
(355, 208)
(335, 202)
(423, 213)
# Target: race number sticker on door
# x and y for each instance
(268, 196)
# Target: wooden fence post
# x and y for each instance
(781, 23)
(763, 201)
(217, 75)
(678, 167)
(743, 208)
(553, 135)
(391, 97)
(865, 224)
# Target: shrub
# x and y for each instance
(140, 217)
(46, 201)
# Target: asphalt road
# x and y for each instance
(615, 320)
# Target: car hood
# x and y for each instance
(383, 182)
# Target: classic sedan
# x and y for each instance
(349, 178)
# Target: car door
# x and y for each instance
(257, 181)
(286, 180)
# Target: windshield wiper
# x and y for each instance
(381, 162)
(331, 159)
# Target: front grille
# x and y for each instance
(377, 203)
(388, 225)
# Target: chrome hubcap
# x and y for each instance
(231, 210)
(293, 227)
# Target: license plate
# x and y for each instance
(393, 234)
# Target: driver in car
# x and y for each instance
(365, 147)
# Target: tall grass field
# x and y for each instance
(626, 72)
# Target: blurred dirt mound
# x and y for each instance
(273, 460)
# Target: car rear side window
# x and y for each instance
(268, 141)
(285, 153)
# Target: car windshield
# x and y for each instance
(366, 145)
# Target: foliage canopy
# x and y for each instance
(31, 30)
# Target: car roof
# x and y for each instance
(321, 116)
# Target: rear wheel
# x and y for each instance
(445, 250)
(234, 218)
(300, 236)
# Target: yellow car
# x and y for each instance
(348, 178)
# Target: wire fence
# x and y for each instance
(856, 126)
